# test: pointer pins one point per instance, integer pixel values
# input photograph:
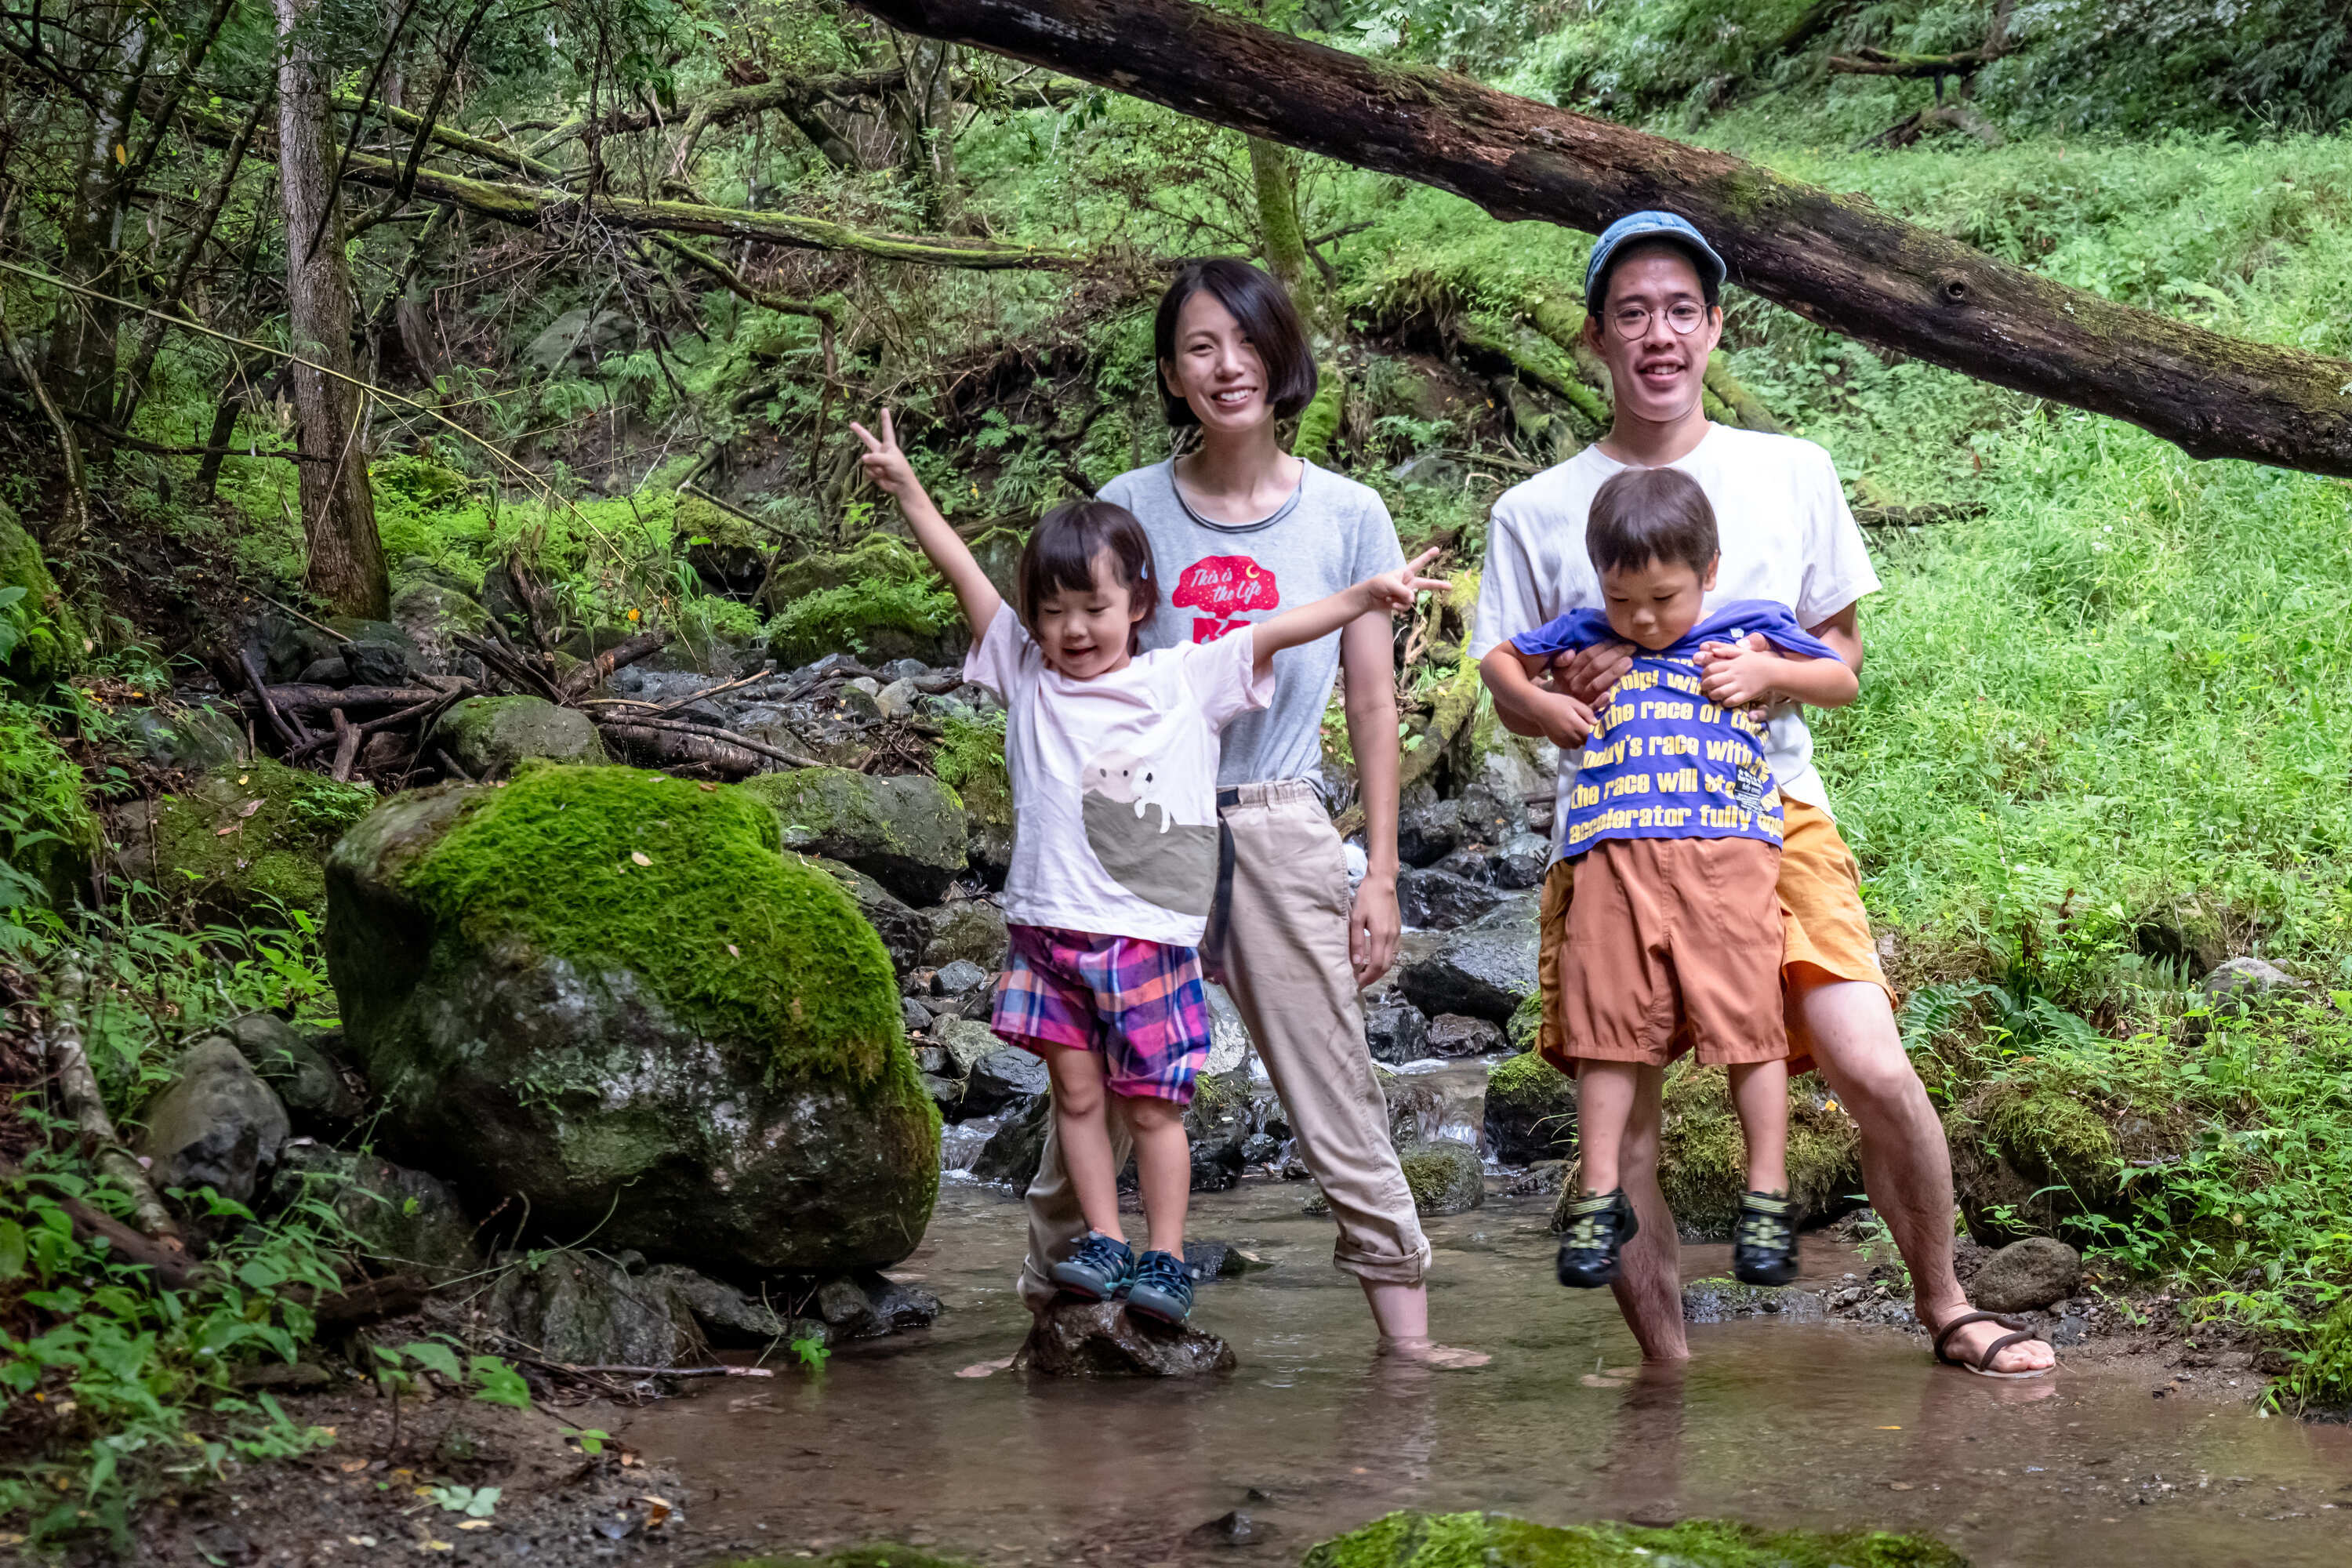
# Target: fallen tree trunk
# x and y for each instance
(1838, 262)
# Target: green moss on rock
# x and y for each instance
(970, 759)
(1703, 1162)
(1497, 1541)
(1445, 1177)
(490, 736)
(874, 620)
(247, 834)
(613, 867)
(47, 831)
(49, 637)
(907, 833)
(1530, 1110)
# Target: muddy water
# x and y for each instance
(1824, 1425)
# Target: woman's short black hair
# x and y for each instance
(1267, 318)
(1640, 515)
(1061, 552)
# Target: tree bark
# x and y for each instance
(1838, 262)
(1276, 181)
(346, 565)
(113, 44)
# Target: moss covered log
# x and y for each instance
(1497, 1541)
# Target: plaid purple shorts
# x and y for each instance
(1138, 1002)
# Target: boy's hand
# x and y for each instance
(1740, 675)
(883, 463)
(1566, 723)
(1396, 590)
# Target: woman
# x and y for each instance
(1239, 529)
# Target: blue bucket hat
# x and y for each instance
(1642, 226)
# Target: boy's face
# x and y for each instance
(1655, 606)
(1083, 633)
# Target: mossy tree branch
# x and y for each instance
(1838, 262)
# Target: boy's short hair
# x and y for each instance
(1640, 515)
(1267, 318)
(1060, 557)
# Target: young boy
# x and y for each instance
(1674, 938)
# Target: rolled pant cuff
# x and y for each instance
(1413, 1269)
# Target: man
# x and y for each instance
(1653, 315)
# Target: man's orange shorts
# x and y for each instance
(1825, 933)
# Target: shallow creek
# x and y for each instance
(1814, 1426)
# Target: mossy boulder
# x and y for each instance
(611, 993)
(246, 837)
(1446, 1177)
(880, 601)
(191, 737)
(434, 614)
(2043, 1143)
(1413, 1539)
(402, 1218)
(906, 833)
(1531, 1111)
(48, 635)
(48, 835)
(490, 737)
(971, 761)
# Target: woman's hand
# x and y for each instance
(883, 463)
(1373, 927)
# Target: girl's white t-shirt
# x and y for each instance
(1115, 781)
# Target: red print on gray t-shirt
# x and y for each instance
(1225, 587)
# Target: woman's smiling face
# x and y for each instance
(1216, 369)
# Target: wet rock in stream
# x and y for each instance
(1102, 1339)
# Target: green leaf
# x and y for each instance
(499, 1384)
(434, 1356)
(12, 1249)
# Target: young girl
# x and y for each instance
(1674, 938)
(1112, 755)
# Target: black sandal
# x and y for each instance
(1598, 1226)
(1982, 1366)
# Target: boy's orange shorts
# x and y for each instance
(1821, 931)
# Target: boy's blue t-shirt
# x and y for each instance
(1663, 761)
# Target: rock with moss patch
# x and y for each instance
(490, 737)
(1446, 1177)
(44, 633)
(217, 1124)
(907, 833)
(402, 1218)
(880, 602)
(1531, 1111)
(967, 929)
(971, 761)
(904, 931)
(55, 838)
(191, 737)
(2027, 1274)
(585, 1309)
(2043, 1142)
(434, 614)
(246, 837)
(1722, 1300)
(1484, 972)
(311, 1087)
(609, 992)
(1102, 1339)
(1415, 1539)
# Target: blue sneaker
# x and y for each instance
(1163, 1289)
(1100, 1267)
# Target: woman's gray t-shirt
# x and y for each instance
(1216, 578)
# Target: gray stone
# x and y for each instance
(489, 736)
(727, 1316)
(377, 663)
(901, 1306)
(433, 615)
(583, 1308)
(859, 701)
(1012, 1153)
(1457, 1035)
(966, 1040)
(218, 1125)
(1520, 860)
(1229, 1036)
(958, 976)
(2027, 1274)
(1484, 972)
(402, 1218)
(1103, 1339)
(947, 1093)
(849, 1311)
(191, 737)
(1719, 1300)
(903, 931)
(971, 930)
(1003, 1079)
(1446, 1177)
(607, 1099)
(1436, 899)
(896, 700)
(1205, 1260)
(310, 1087)
(2249, 979)
(1396, 1031)
(907, 833)
(1427, 827)
(907, 669)
(918, 1019)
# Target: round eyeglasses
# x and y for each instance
(1630, 321)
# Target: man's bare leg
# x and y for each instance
(1649, 1286)
(1907, 1165)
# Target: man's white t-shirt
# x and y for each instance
(1787, 535)
(1115, 781)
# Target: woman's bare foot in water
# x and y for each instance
(1424, 1352)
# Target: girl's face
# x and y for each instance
(1083, 632)
(1656, 606)
(1217, 370)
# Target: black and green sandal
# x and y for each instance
(1598, 1225)
(1764, 1241)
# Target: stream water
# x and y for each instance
(1815, 1426)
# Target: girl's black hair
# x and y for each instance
(1060, 558)
(1267, 319)
(1640, 515)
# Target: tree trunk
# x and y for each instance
(1276, 182)
(1839, 262)
(115, 42)
(347, 568)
